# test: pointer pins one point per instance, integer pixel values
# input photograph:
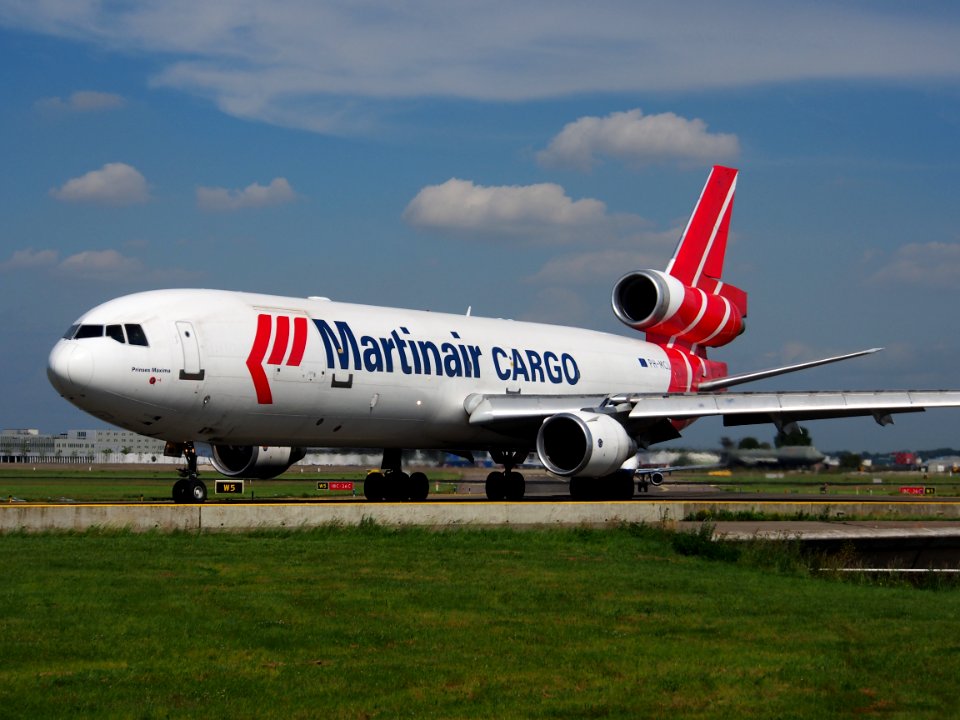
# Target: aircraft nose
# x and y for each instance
(69, 368)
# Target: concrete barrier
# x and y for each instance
(242, 516)
(139, 518)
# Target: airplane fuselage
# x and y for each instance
(258, 378)
(240, 368)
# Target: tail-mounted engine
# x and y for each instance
(254, 461)
(583, 443)
(662, 305)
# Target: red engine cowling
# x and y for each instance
(254, 461)
(660, 304)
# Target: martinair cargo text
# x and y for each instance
(258, 378)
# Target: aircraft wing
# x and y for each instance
(781, 408)
(736, 408)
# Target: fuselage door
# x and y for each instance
(191, 352)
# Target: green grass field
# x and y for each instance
(372, 622)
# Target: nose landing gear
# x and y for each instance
(189, 488)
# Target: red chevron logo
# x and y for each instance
(279, 334)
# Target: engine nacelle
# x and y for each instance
(254, 461)
(583, 444)
(660, 304)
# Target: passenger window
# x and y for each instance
(115, 332)
(71, 331)
(89, 331)
(135, 335)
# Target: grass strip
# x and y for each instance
(375, 622)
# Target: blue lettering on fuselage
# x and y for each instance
(398, 351)
(531, 365)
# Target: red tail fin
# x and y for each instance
(689, 305)
(704, 241)
(689, 308)
(698, 260)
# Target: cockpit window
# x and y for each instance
(115, 332)
(135, 335)
(89, 331)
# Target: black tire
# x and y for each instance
(181, 491)
(582, 488)
(373, 487)
(623, 486)
(396, 486)
(496, 486)
(514, 486)
(197, 491)
(419, 487)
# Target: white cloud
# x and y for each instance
(929, 265)
(316, 65)
(100, 264)
(600, 266)
(82, 101)
(561, 305)
(116, 268)
(96, 265)
(28, 259)
(460, 205)
(114, 184)
(636, 139)
(254, 195)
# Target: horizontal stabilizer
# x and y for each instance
(731, 380)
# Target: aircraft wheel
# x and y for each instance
(580, 488)
(496, 486)
(373, 486)
(623, 486)
(396, 486)
(181, 491)
(197, 491)
(419, 486)
(514, 486)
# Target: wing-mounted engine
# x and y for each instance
(662, 305)
(583, 444)
(254, 461)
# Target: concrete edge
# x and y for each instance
(245, 517)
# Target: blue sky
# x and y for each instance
(516, 157)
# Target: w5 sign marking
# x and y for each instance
(279, 354)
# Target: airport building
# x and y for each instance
(947, 464)
(79, 446)
(122, 446)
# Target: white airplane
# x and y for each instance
(257, 378)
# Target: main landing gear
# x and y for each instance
(618, 486)
(391, 483)
(506, 485)
(189, 488)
